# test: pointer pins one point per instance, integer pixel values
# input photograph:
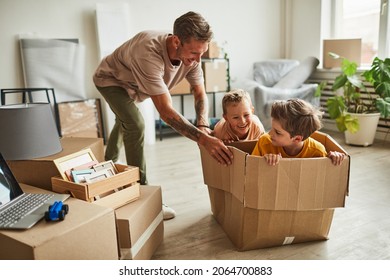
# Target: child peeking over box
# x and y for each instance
(238, 122)
(293, 121)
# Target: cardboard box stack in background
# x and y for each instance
(261, 206)
(140, 225)
(183, 87)
(215, 75)
(213, 51)
(348, 48)
(38, 172)
(88, 232)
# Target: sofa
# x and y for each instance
(280, 79)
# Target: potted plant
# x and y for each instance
(357, 117)
(379, 76)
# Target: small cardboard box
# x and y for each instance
(215, 75)
(255, 196)
(348, 48)
(140, 225)
(88, 232)
(38, 172)
(213, 51)
(183, 87)
(113, 192)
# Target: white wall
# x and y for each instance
(250, 28)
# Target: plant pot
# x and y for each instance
(366, 134)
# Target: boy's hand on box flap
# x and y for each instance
(336, 157)
(272, 159)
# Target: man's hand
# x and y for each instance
(218, 150)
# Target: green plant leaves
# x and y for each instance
(383, 105)
(335, 106)
(339, 82)
(352, 124)
(347, 122)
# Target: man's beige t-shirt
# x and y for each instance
(142, 67)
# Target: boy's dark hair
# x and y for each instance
(297, 117)
(235, 96)
(192, 25)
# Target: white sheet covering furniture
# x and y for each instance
(280, 79)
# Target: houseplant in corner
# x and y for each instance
(357, 117)
(379, 76)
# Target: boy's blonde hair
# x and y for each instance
(235, 96)
(297, 117)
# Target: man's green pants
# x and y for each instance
(128, 131)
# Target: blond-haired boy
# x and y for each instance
(238, 122)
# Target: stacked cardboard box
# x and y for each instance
(261, 206)
(213, 51)
(38, 172)
(140, 225)
(183, 87)
(215, 75)
(88, 232)
(137, 219)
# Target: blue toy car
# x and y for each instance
(57, 211)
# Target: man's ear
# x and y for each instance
(176, 41)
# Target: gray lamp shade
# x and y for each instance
(28, 131)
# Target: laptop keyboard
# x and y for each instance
(23, 207)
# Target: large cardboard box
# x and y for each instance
(140, 225)
(215, 75)
(262, 206)
(88, 232)
(38, 172)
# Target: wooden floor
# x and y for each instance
(360, 231)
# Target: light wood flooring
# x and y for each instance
(360, 231)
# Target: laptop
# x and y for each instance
(20, 210)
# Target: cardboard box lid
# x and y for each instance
(294, 184)
(74, 144)
(228, 178)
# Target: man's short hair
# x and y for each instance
(192, 25)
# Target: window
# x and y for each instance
(365, 19)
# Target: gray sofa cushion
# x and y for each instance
(269, 72)
(297, 76)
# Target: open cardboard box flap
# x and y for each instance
(294, 184)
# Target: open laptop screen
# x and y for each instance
(9, 187)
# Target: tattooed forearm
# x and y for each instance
(201, 111)
(184, 127)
